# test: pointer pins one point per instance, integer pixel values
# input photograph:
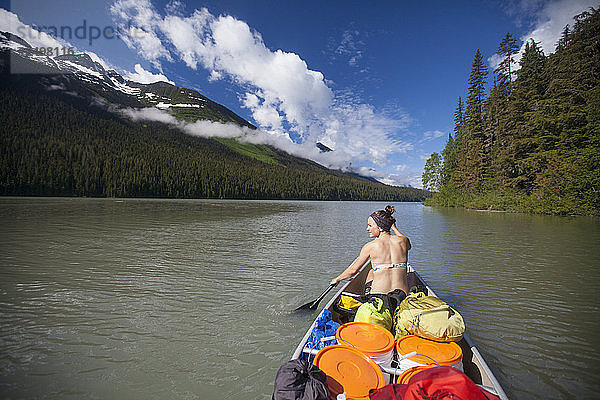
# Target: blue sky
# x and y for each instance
(377, 81)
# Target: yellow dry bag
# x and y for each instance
(428, 317)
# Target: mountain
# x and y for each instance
(60, 136)
(78, 73)
(322, 148)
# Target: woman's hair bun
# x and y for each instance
(390, 209)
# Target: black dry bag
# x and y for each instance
(299, 380)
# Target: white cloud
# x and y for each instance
(266, 115)
(60, 86)
(495, 60)
(207, 128)
(553, 18)
(550, 19)
(148, 114)
(215, 76)
(142, 76)
(280, 88)
(286, 97)
(139, 34)
(351, 47)
(413, 180)
(10, 23)
(431, 135)
(175, 7)
(282, 141)
(202, 128)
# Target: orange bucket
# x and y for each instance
(349, 370)
(371, 339)
(428, 352)
(406, 375)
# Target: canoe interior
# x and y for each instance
(473, 364)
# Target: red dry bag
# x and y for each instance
(438, 383)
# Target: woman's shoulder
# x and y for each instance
(370, 243)
(400, 239)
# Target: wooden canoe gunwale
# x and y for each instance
(474, 365)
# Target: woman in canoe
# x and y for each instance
(389, 258)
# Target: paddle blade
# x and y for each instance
(312, 305)
(307, 306)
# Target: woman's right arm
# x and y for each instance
(398, 233)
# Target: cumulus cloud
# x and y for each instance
(139, 34)
(282, 141)
(550, 20)
(286, 97)
(553, 18)
(282, 93)
(142, 76)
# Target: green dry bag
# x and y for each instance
(374, 312)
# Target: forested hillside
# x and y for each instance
(56, 144)
(533, 144)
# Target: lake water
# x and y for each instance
(191, 299)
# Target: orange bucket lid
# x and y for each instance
(444, 353)
(406, 375)
(369, 338)
(349, 370)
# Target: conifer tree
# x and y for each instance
(564, 38)
(432, 173)
(448, 160)
(544, 137)
(476, 93)
(459, 120)
(450, 151)
(508, 49)
(57, 145)
(470, 156)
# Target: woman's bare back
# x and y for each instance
(390, 253)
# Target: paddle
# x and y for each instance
(312, 305)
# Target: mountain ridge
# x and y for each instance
(110, 85)
(223, 168)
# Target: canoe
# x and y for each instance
(474, 365)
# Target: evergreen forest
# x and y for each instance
(56, 144)
(533, 143)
